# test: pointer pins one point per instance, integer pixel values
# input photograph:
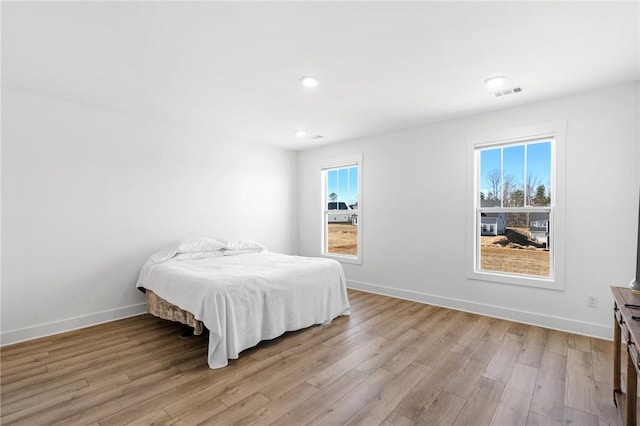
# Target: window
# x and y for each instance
(342, 209)
(516, 200)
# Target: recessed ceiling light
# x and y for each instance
(495, 81)
(301, 133)
(309, 81)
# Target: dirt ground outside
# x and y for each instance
(496, 253)
(501, 254)
(343, 238)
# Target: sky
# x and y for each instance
(344, 182)
(534, 157)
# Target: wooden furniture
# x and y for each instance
(626, 330)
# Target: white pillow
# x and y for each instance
(199, 244)
(235, 252)
(241, 243)
(191, 245)
(197, 255)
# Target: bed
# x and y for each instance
(241, 292)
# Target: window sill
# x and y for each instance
(513, 279)
(343, 259)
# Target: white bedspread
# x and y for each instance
(247, 298)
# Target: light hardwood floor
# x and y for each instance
(392, 362)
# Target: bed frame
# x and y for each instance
(160, 308)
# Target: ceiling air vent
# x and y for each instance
(506, 92)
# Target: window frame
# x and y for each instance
(510, 137)
(337, 163)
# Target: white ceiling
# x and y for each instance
(232, 69)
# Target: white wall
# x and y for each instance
(89, 194)
(415, 212)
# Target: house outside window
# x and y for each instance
(518, 206)
(342, 209)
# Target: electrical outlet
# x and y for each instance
(592, 301)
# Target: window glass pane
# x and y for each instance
(539, 174)
(353, 188)
(515, 243)
(332, 185)
(490, 177)
(513, 176)
(343, 184)
(341, 217)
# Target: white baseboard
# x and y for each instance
(532, 318)
(547, 321)
(43, 330)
